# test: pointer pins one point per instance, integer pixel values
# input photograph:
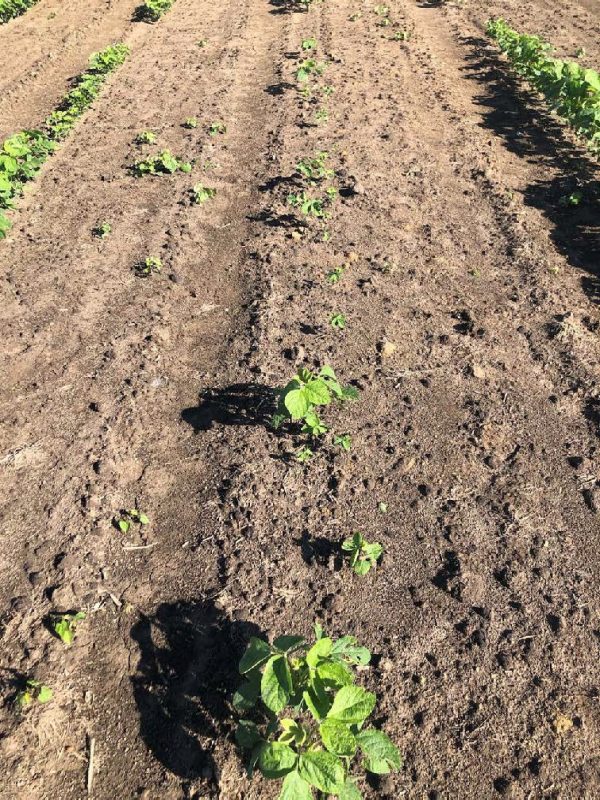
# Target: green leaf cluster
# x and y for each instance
(152, 10)
(314, 168)
(14, 8)
(305, 716)
(571, 90)
(23, 154)
(33, 691)
(65, 625)
(307, 391)
(163, 163)
(133, 515)
(363, 555)
(201, 194)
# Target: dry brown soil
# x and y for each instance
(479, 431)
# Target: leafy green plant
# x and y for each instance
(363, 555)
(314, 168)
(145, 137)
(307, 391)
(217, 128)
(344, 441)
(335, 275)
(23, 154)
(190, 122)
(14, 8)
(102, 230)
(338, 321)
(152, 10)
(304, 454)
(308, 68)
(162, 163)
(327, 91)
(33, 691)
(306, 716)
(321, 115)
(148, 266)
(131, 517)
(309, 44)
(201, 194)
(401, 36)
(570, 89)
(571, 200)
(310, 206)
(65, 625)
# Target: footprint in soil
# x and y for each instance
(187, 671)
(238, 404)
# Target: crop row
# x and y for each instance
(14, 8)
(570, 89)
(23, 154)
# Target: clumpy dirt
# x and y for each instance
(477, 423)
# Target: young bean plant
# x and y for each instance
(363, 555)
(305, 717)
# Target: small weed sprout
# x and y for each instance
(150, 265)
(33, 691)
(344, 441)
(190, 123)
(202, 194)
(337, 321)
(130, 517)
(217, 128)
(363, 555)
(145, 137)
(304, 455)
(321, 116)
(102, 230)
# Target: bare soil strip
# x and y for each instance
(477, 426)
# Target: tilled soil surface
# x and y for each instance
(471, 298)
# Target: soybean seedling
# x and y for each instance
(130, 517)
(145, 137)
(304, 716)
(338, 321)
(309, 44)
(306, 392)
(363, 555)
(309, 67)
(148, 266)
(190, 122)
(162, 163)
(102, 230)
(65, 625)
(202, 43)
(344, 441)
(321, 116)
(33, 691)
(314, 168)
(401, 36)
(335, 275)
(304, 454)
(217, 128)
(202, 194)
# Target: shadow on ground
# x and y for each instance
(528, 129)
(238, 404)
(186, 675)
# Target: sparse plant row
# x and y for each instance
(570, 89)
(9, 9)
(23, 154)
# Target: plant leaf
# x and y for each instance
(352, 705)
(296, 403)
(257, 652)
(322, 770)
(381, 754)
(276, 684)
(337, 738)
(288, 643)
(295, 788)
(276, 760)
(247, 734)
(350, 791)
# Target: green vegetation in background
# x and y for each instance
(14, 8)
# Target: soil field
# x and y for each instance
(471, 296)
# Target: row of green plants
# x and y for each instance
(9, 9)
(23, 154)
(303, 714)
(571, 90)
(152, 10)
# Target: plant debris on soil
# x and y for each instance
(467, 278)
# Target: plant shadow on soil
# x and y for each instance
(286, 6)
(186, 675)
(532, 132)
(238, 404)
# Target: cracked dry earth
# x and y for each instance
(471, 299)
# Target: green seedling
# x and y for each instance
(327, 90)
(305, 716)
(308, 205)
(217, 128)
(382, 507)
(321, 116)
(150, 265)
(309, 44)
(152, 10)
(338, 321)
(145, 137)
(344, 441)
(202, 43)
(190, 122)
(33, 691)
(314, 168)
(304, 454)
(102, 230)
(308, 391)
(401, 36)
(164, 163)
(355, 17)
(580, 52)
(65, 625)
(130, 517)
(381, 10)
(571, 200)
(202, 194)
(313, 425)
(335, 275)
(363, 555)
(309, 67)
